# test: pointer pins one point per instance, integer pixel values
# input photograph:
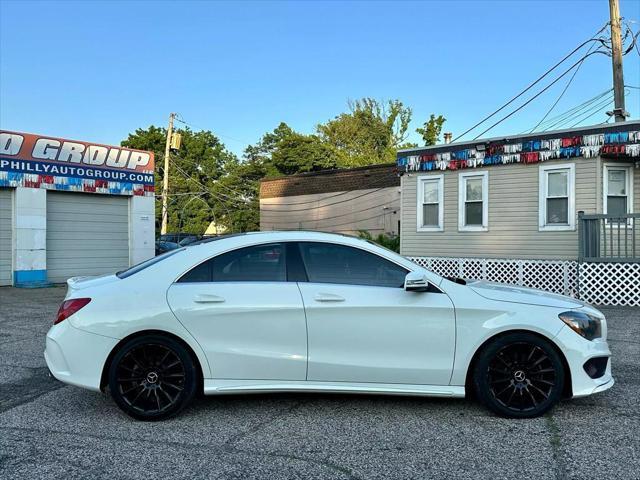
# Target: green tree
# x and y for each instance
(194, 199)
(370, 133)
(431, 130)
(297, 153)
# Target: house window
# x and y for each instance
(473, 204)
(557, 197)
(430, 203)
(618, 189)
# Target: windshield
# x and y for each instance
(147, 263)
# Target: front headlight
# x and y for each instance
(589, 326)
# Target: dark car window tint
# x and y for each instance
(329, 263)
(260, 263)
(147, 263)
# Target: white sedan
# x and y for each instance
(308, 311)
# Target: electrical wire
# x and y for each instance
(373, 184)
(217, 182)
(585, 114)
(578, 113)
(355, 221)
(537, 94)
(596, 107)
(217, 195)
(327, 205)
(335, 216)
(560, 117)
(594, 113)
(533, 84)
(566, 87)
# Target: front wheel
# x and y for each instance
(152, 377)
(519, 375)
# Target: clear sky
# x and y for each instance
(97, 70)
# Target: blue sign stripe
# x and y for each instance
(73, 171)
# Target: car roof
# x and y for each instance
(280, 235)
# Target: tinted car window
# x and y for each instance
(329, 263)
(260, 263)
(147, 263)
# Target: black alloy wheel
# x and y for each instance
(519, 375)
(152, 377)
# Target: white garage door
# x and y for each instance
(87, 234)
(5, 236)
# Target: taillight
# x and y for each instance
(69, 307)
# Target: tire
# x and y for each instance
(519, 375)
(152, 377)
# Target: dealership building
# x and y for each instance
(71, 208)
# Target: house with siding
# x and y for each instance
(341, 201)
(508, 208)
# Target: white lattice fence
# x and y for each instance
(556, 276)
(610, 283)
(600, 283)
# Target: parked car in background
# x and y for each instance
(171, 241)
(310, 311)
(164, 246)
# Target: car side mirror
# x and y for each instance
(416, 282)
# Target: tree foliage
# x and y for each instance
(370, 133)
(208, 183)
(196, 193)
(431, 130)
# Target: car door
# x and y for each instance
(248, 319)
(364, 327)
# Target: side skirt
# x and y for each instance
(219, 387)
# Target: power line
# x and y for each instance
(373, 184)
(572, 115)
(575, 109)
(596, 107)
(336, 216)
(593, 107)
(218, 182)
(328, 204)
(594, 113)
(355, 221)
(537, 94)
(532, 84)
(216, 195)
(566, 87)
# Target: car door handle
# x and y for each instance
(207, 298)
(328, 297)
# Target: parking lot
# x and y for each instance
(48, 430)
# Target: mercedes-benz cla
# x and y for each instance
(308, 311)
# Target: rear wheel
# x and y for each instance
(152, 377)
(519, 375)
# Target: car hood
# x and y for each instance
(529, 296)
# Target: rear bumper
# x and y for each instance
(578, 351)
(77, 357)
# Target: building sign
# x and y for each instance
(36, 161)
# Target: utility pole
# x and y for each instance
(619, 111)
(165, 180)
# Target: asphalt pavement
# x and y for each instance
(49, 430)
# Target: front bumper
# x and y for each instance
(578, 351)
(77, 357)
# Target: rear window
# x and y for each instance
(147, 263)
